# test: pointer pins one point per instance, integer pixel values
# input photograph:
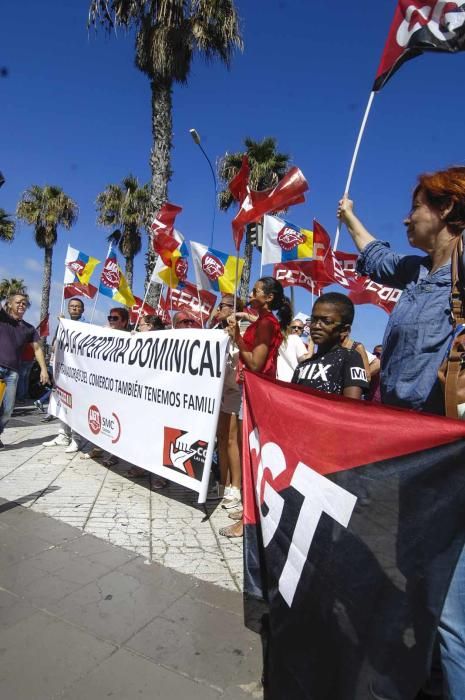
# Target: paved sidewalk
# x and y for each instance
(81, 617)
(165, 526)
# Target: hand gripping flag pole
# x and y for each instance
(432, 25)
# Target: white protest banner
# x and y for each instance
(151, 398)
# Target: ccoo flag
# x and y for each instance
(351, 535)
(418, 26)
(113, 283)
(215, 270)
(283, 241)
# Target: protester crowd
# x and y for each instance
(264, 338)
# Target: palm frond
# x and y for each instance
(7, 227)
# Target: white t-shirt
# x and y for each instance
(290, 350)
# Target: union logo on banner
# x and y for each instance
(180, 453)
(288, 238)
(111, 274)
(212, 266)
(181, 267)
(77, 266)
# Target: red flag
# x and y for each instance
(187, 297)
(163, 311)
(421, 25)
(289, 190)
(165, 244)
(239, 185)
(364, 291)
(310, 275)
(140, 309)
(43, 328)
(77, 289)
(164, 220)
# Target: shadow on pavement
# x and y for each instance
(9, 505)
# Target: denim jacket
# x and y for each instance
(419, 329)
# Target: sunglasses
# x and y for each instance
(227, 306)
(296, 328)
(187, 322)
(114, 318)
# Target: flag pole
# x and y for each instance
(171, 296)
(200, 308)
(62, 300)
(354, 158)
(98, 288)
(236, 280)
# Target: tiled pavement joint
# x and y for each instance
(165, 526)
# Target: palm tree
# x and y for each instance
(267, 167)
(7, 227)
(168, 34)
(11, 286)
(46, 208)
(125, 207)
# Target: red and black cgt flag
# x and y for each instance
(354, 520)
(421, 25)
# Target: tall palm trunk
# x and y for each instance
(46, 283)
(129, 271)
(245, 278)
(160, 162)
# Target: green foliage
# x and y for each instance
(7, 227)
(125, 208)
(11, 286)
(46, 208)
(267, 167)
(169, 32)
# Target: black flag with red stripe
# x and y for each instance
(418, 26)
(354, 518)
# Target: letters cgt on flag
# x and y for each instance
(215, 270)
(418, 26)
(352, 532)
(283, 241)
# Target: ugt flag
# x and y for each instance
(421, 25)
(352, 533)
(113, 283)
(78, 270)
(79, 266)
(283, 241)
(215, 270)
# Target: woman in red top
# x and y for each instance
(258, 348)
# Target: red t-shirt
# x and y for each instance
(250, 341)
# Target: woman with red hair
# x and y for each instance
(417, 338)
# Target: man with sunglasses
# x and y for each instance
(14, 334)
(297, 327)
(184, 319)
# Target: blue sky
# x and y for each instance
(76, 113)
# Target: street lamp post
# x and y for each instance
(196, 138)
